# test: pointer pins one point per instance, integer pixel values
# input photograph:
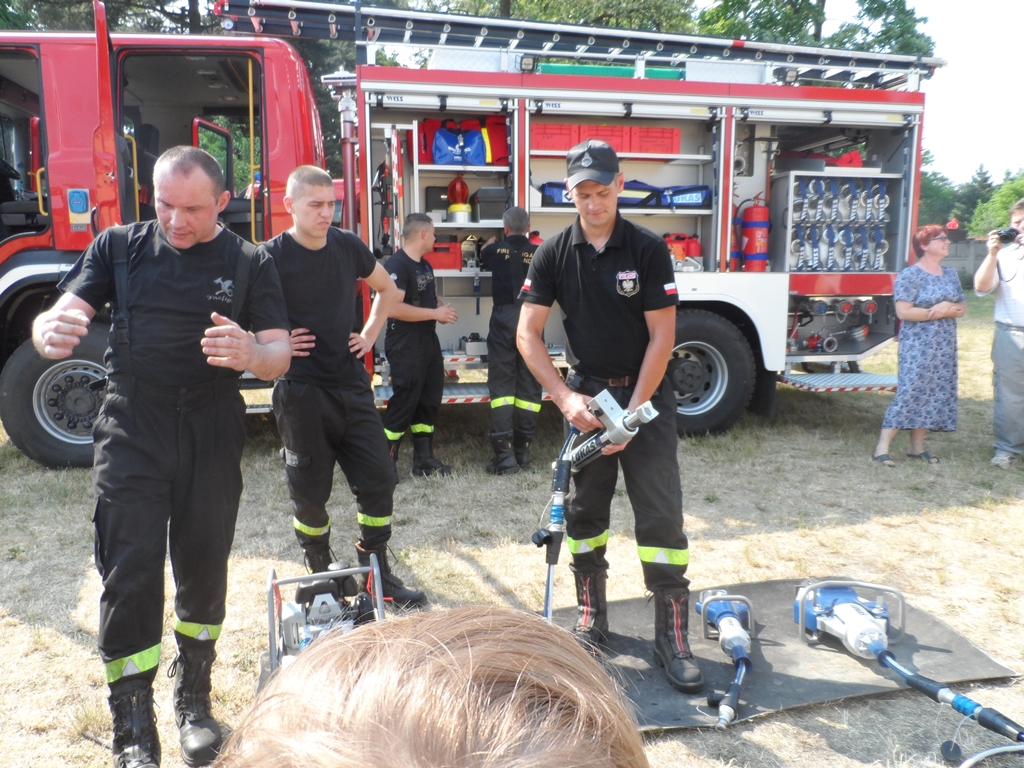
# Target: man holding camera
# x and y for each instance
(1002, 271)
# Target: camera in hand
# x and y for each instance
(1007, 235)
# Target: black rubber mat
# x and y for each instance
(786, 671)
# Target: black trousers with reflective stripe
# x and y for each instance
(508, 374)
(323, 426)
(167, 470)
(651, 471)
(417, 378)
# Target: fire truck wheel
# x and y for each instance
(712, 372)
(48, 406)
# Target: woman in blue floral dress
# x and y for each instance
(928, 300)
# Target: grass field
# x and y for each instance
(795, 497)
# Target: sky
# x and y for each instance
(972, 110)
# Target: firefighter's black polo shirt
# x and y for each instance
(498, 258)
(416, 278)
(604, 294)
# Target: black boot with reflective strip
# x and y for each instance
(592, 606)
(424, 462)
(136, 743)
(317, 556)
(671, 643)
(504, 461)
(521, 443)
(199, 733)
(391, 586)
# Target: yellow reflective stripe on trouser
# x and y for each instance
(663, 556)
(582, 546)
(373, 522)
(526, 405)
(498, 402)
(197, 631)
(418, 429)
(392, 436)
(310, 530)
(143, 661)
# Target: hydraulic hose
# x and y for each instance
(987, 718)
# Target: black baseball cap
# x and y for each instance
(591, 160)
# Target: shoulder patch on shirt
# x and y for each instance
(394, 277)
(670, 289)
(526, 284)
(627, 283)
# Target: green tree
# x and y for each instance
(192, 16)
(935, 204)
(12, 18)
(995, 212)
(655, 15)
(968, 196)
(881, 25)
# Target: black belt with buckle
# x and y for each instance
(574, 379)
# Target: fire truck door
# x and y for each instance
(111, 155)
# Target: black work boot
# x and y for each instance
(391, 586)
(424, 462)
(136, 743)
(671, 644)
(199, 733)
(521, 443)
(592, 607)
(504, 461)
(317, 556)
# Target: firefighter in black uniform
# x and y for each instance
(413, 350)
(615, 285)
(170, 435)
(324, 404)
(514, 392)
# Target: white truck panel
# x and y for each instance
(762, 296)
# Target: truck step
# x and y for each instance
(841, 382)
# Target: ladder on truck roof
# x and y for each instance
(369, 26)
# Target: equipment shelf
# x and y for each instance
(455, 169)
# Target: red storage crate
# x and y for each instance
(556, 136)
(655, 141)
(616, 136)
(445, 256)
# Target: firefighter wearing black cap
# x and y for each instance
(169, 437)
(616, 287)
(514, 392)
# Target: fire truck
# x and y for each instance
(785, 179)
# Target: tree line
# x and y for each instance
(978, 205)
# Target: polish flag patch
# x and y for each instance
(670, 289)
(526, 284)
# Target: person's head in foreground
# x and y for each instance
(472, 687)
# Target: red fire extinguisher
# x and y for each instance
(755, 236)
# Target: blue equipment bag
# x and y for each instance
(454, 146)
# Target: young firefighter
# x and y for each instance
(512, 388)
(324, 404)
(169, 437)
(615, 285)
(414, 353)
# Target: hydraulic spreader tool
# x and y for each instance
(579, 449)
(730, 619)
(863, 626)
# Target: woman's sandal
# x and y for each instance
(884, 460)
(924, 456)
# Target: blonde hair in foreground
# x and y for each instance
(472, 687)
